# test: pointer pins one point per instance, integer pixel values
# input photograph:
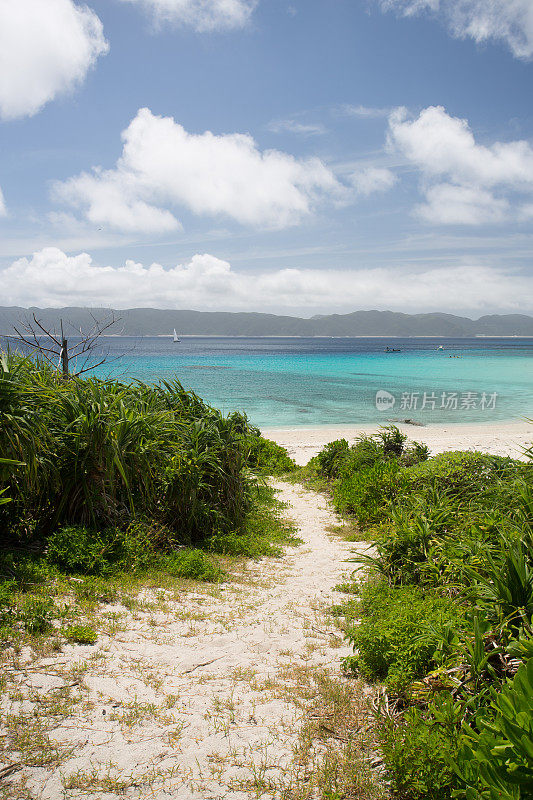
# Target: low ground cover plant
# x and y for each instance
(445, 609)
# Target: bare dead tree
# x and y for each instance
(54, 346)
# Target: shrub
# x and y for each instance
(80, 550)
(461, 474)
(25, 570)
(419, 751)
(332, 457)
(389, 641)
(339, 459)
(83, 551)
(367, 493)
(100, 453)
(194, 564)
(495, 759)
(267, 457)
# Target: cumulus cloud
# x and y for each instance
(162, 166)
(3, 207)
(52, 278)
(202, 15)
(46, 49)
(509, 21)
(463, 181)
(373, 179)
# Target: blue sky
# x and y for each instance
(298, 157)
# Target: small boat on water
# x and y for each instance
(176, 338)
(392, 350)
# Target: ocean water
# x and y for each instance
(289, 382)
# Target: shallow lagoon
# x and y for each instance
(283, 382)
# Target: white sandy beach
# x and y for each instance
(499, 438)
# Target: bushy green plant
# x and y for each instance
(388, 638)
(265, 533)
(504, 582)
(26, 570)
(80, 634)
(331, 457)
(267, 457)
(194, 564)
(79, 550)
(451, 613)
(367, 493)
(495, 760)
(84, 551)
(340, 460)
(419, 750)
(99, 453)
(459, 473)
(392, 440)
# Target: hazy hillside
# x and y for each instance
(154, 322)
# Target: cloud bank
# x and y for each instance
(52, 278)
(464, 182)
(508, 21)
(201, 15)
(163, 167)
(46, 49)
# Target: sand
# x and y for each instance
(499, 438)
(194, 696)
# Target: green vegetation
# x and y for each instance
(194, 564)
(446, 607)
(104, 483)
(267, 457)
(80, 634)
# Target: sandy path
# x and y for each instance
(196, 697)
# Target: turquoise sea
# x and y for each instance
(286, 382)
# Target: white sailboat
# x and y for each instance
(176, 337)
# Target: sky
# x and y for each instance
(288, 156)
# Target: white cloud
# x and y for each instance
(202, 15)
(365, 112)
(449, 204)
(51, 278)
(46, 49)
(509, 21)
(373, 179)
(463, 181)
(163, 165)
(292, 126)
(3, 207)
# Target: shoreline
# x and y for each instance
(498, 438)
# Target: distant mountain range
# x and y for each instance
(156, 322)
